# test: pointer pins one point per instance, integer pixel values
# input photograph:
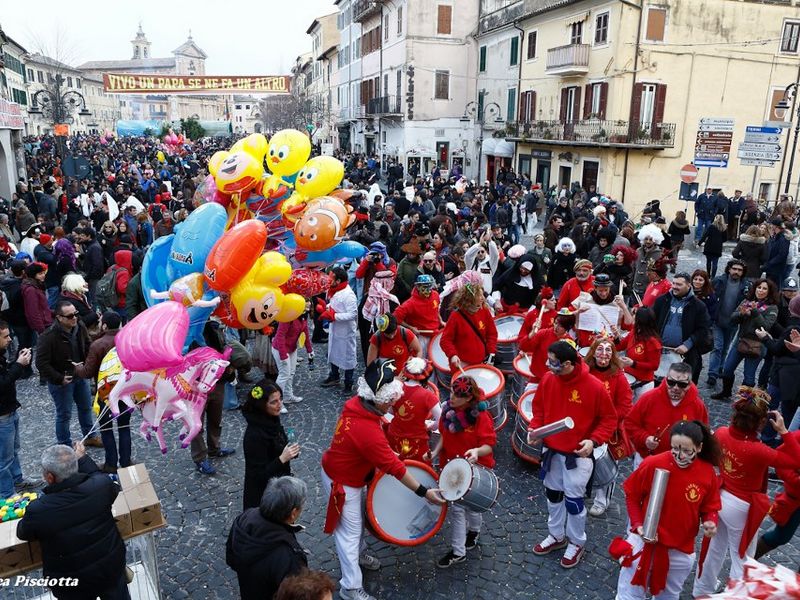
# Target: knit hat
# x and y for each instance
(418, 369)
(45, 238)
(794, 306)
(33, 269)
(789, 284)
(582, 264)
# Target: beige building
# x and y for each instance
(612, 93)
(320, 92)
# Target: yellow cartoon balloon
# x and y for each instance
(319, 176)
(257, 297)
(237, 173)
(160, 156)
(255, 144)
(294, 305)
(289, 150)
(216, 160)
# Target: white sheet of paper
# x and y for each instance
(598, 318)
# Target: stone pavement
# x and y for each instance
(200, 509)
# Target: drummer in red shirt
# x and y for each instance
(743, 470)
(642, 348)
(467, 431)
(691, 500)
(420, 313)
(583, 282)
(653, 416)
(408, 431)
(393, 342)
(357, 449)
(657, 276)
(536, 344)
(569, 391)
(470, 335)
(785, 510)
(546, 307)
(606, 366)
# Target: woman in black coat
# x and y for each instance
(267, 451)
(712, 240)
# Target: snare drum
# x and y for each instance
(508, 328)
(668, 357)
(398, 516)
(631, 379)
(470, 485)
(424, 342)
(521, 378)
(584, 352)
(492, 381)
(519, 440)
(605, 467)
(441, 364)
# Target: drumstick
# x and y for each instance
(539, 317)
(426, 331)
(635, 295)
(620, 287)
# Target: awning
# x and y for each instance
(579, 18)
(501, 148)
(489, 145)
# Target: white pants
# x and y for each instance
(462, 520)
(601, 496)
(348, 534)
(637, 393)
(637, 460)
(680, 565)
(286, 370)
(573, 483)
(732, 520)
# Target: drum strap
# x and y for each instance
(335, 507)
(475, 329)
(637, 384)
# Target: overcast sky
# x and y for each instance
(240, 37)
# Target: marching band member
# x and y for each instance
(536, 344)
(642, 351)
(470, 335)
(546, 306)
(568, 391)
(785, 510)
(692, 499)
(606, 366)
(745, 461)
(392, 342)
(357, 449)
(582, 283)
(466, 430)
(600, 296)
(420, 313)
(653, 416)
(408, 431)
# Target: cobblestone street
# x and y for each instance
(199, 510)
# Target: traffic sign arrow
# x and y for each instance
(717, 121)
(760, 147)
(760, 138)
(718, 128)
(722, 135)
(759, 155)
(757, 129)
(753, 162)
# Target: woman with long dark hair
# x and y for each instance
(642, 348)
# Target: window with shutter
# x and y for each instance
(603, 100)
(399, 20)
(531, 45)
(636, 103)
(481, 94)
(562, 115)
(482, 60)
(511, 105)
(789, 39)
(444, 19)
(442, 85)
(576, 33)
(514, 59)
(656, 24)
(587, 101)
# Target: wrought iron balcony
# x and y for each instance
(572, 59)
(594, 133)
(365, 8)
(384, 106)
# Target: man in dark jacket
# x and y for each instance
(777, 252)
(11, 286)
(73, 523)
(262, 547)
(10, 470)
(64, 343)
(730, 289)
(682, 320)
(93, 260)
(134, 296)
(705, 208)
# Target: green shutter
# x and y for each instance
(482, 61)
(514, 50)
(511, 108)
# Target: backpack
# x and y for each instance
(106, 293)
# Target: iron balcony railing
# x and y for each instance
(385, 105)
(364, 8)
(572, 55)
(594, 132)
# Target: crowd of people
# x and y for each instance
(616, 335)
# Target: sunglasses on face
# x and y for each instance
(70, 316)
(676, 383)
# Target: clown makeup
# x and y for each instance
(554, 364)
(602, 354)
(583, 273)
(424, 290)
(683, 450)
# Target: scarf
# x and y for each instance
(336, 288)
(457, 419)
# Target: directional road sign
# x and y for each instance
(760, 147)
(712, 146)
(756, 129)
(759, 155)
(762, 138)
(703, 162)
(751, 162)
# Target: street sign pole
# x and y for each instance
(755, 176)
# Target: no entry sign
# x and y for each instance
(688, 173)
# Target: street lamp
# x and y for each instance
(782, 108)
(478, 111)
(58, 107)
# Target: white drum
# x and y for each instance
(584, 352)
(519, 440)
(631, 379)
(605, 467)
(668, 357)
(441, 363)
(471, 485)
(492, 381)
(508, 328)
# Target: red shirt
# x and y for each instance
(537, 347)
(460, 339)
(654, 290)
(692, 498)
(359, 447)
(397, 348)
(411, 411)
(646, 355)
(788, 500)
(572, 289)
(655, 415)
(579, 396)
(420, 312)
(618, 388)
(455, 444)
(527, 325)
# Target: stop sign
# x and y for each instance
(688, 173)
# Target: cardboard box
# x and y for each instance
(144, 508)
(15, 554)
(122, 517)
(130, 477)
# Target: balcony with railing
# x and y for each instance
(365, 8)
(572, 59)
(594, 133)
(385, 106)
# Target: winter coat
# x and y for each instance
(37, 311)
(755, 319)
(752, 249)
(705, 206)
(695, 323)
(93, 261)
(678, 231)
(134, 297)
(777, 253)
(97, 352)
(264, 440)
(123, 258)
(9, 373)
(81, 304)
(54, 352)
(713, 239)
(561, 269)
(643, 257)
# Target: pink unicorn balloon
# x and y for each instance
(154, 338)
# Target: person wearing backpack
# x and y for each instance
(113, 285)
(393, 341)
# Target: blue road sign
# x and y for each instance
(755, 129)
(708, 162)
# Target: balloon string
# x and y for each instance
(94, 428)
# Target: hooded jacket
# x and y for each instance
(124, 259)
(264, 440)
(752, 249)
(37, 311)
(262, 553)
(420, 312)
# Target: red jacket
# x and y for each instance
(646, 355)
(692, 497)
(788, 500)
(411, 412)
(122, 258)
(37, 311)
(572, 289)
(655, 415)
(459, 338)
(530, 320)
(287, 336)
(579, 396)
(654, 290)
(537, 347)
(359, 446)
(455, 444)
(618, 388)
(419, 312)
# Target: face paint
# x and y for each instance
(555, 366)
(683, 457)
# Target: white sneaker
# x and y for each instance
(572, 556)
(597, 510)
(293, 400)
(369, 562)
(283, 410)
(355, 594)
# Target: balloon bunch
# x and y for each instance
(14, 507)
(174, 386)
(173, 144)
